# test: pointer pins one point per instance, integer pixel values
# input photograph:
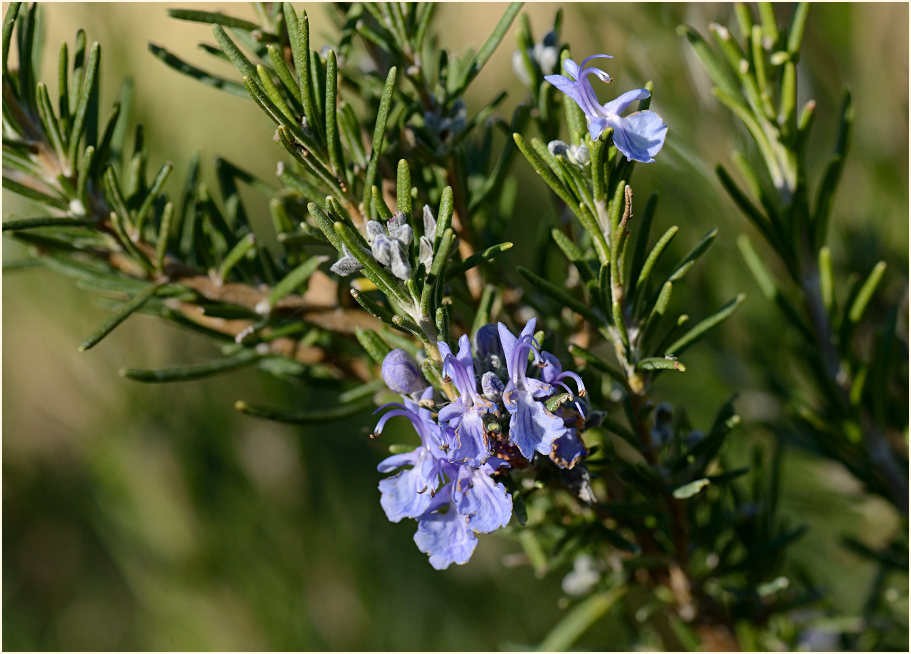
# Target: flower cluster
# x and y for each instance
(639, 136)
(389, 245)
(449, 482)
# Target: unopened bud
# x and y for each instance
(401, 373)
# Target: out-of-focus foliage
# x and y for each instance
(154, 517)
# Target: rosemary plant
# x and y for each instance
(533, 394)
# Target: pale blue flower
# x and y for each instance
(532, 427)
(639, 136)
(464, 417)
(408, 494)
(445, 536)
(471, 502)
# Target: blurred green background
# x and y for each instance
(155, 517)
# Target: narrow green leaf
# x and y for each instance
(757, 267)
(9, 20)
(315, 417)
(703, 326)
(307, 159)
(865, 294)
(209, 79)
(78, 68)
(212, 17)
(83, 174)
(34, 194)
(718, 71)
(693, 254)
(826, 285)
(333, 143)
(379, 132)
(284, 73)
(235, 255)
(484, 313)
(664, 297)
(544, 170)
(26, 49)
(47, 221)
(596, 362)
(192, 372)
(300, 51)
(375, 346)
(795, 33)
(238, 58)
(403, 189)
(265, 80)
(660, 363)
(489, 46)
(426, 12)
(560, 295)
(379, 205)
(442, 253)
(152, 195)
(579, 619)
(164, 232)
(317, 75)
(746, 205)
(444, 215)
(294, 279)
(325, 224)
(120, 314)
(653, 257)
(485, 255)
(114, 195)
(373, 307)
(86, 91)
(642, 234)
(573, 254)
(51, 125)
(620, 323)
(769, 22)
(350, 133)
(442, 325)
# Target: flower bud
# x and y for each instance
(487, 342)
(401, 373)
(492, 386)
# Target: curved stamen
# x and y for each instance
(389, 404)
(392, 414)
(574, 377)
(576, 402)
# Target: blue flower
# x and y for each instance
(639, 136)
(445, 536)
(485, 502)
(470, 502)
(464, 417)
(532, 427)
(408, 494)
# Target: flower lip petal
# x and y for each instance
(640, 136)
(619, 104)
